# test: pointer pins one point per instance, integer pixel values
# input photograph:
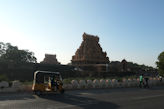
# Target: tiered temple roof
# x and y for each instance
(50, 59)
(90, 52)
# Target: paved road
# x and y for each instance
(124, 98)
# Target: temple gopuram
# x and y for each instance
(90, 55)
(50, 59)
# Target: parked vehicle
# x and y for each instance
(47, 81)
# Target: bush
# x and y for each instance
(3, 78)
(67, 81)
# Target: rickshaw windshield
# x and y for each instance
(42, 77)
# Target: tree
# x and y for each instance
(9, 53)
(160, 63)
(2, 48)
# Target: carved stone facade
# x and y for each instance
(50, 59)
(90, 52)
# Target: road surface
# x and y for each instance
(120, 98)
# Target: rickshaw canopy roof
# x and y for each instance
(47, 72)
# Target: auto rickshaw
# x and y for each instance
(46, 81)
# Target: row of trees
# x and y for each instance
(10, 53)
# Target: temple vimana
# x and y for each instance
(90, 54)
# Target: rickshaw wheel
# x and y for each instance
(38, 93)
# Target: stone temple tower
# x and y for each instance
(90, 52)
(50, 59)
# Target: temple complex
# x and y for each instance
(90, 53)
(50, 59)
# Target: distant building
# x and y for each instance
(50, 59)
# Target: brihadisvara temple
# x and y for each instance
(89, 56)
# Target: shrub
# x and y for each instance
(3, 78)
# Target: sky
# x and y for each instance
(128, 29)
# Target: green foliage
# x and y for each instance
(3, 78)
(67, 81)
(9, 53)
(27, 82)
(2, 48)
(160, 63)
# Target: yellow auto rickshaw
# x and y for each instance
(46, 81)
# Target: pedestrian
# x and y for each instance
(141, 81)
(146, 85)
(160, 78)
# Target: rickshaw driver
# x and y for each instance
(56, 82)
(52, 82)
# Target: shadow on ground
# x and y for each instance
(81, 102)
(16, 96)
